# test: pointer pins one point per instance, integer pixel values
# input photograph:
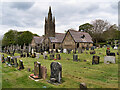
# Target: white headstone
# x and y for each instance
(109, 59)
(64, 50)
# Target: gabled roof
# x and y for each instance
(77, 36)
(38, 40)
(58, 38)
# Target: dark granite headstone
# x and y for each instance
(87, 48)
(92, 48)
(51, 56)
(8, 59)
(21, 66)
(56, 72)
(107, 52)
(75, 57)
(111, 54)
(12, 61)
(95, 60)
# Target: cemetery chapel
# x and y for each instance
(72, 39)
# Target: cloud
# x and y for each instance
(30, 15)
(22, 5)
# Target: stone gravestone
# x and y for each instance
(109, 59)
(12, 61)
(43, 70)
(92, 48)
(80, 50)
(28, 54)
(21, 66)
(3, 58)
(87, 48)
(51, 56)
(92, 52)
(8, 59)
(15, 62)
(115, 45)
(37, 71)
(56, 72)
(64, 51)
(107, 52)
(83, 86)
(95, 60)
(45, 55)
(75, 57)
(58, 56)
(69, 51)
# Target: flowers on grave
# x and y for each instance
(54, 59)
(31, 75)
(36, 77)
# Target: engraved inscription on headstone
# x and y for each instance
(43, 70)
(95, 60)
(37, 66)
(56, 72)
(109, 59)
(75, 57)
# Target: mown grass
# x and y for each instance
(73, 73)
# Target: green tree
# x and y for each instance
(9, 38)
(25, 37)
(86, 27)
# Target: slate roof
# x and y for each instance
(77, 36)
(38, 40)
(58, 38)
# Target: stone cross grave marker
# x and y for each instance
(109, 59)
(95, 60)
(56, 72)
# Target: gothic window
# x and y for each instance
(77, 45)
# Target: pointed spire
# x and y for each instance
(49, 9)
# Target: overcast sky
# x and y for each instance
(68, 14)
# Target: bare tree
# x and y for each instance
(99, 26)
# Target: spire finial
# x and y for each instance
(49, 9)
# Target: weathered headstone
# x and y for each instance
(3, 58)
(75, 57)
(15, 62)
(45, 55)
(37, 66)
(107, 52)
(109, 59)
(21, 66)
(43, 70)
(80, 50)
(28, 69)
(56, 72)
(58, 56)
(87, 48)
(8, 59)
(83, 86)
(51, 56)
(92, 48)
(12, 61)
(92, 52)
(95, 60)
(64, 51)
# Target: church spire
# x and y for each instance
(49, 9)
(50, 14)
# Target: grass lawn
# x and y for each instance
(73, 73)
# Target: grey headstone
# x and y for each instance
(21, 66)
(37, 71)
(109, 59)
(56, 72)
(95, 60)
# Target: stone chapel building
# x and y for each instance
(51, 40)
